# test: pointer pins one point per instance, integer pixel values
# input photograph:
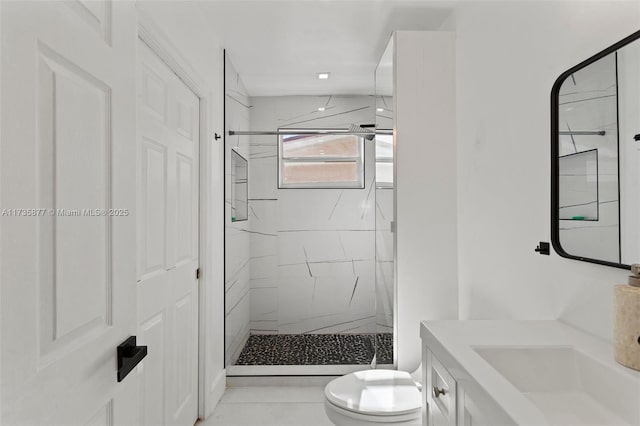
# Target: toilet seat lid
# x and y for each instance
(375, 392)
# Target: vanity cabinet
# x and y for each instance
(439, 393)
(447, 402)
(509, 373)
(469, 413)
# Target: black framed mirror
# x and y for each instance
(595, 158)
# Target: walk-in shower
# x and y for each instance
(306, 289)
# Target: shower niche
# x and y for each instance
(303, 284)
(239, 187)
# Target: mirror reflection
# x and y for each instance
(598, 173)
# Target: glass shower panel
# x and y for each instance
(384, 241)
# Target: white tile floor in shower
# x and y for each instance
(270, 406)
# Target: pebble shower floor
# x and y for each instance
(316, 349)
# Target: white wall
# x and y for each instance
(312, 250)
(425, 181)
(508, 56)
(187, 30)
(237, 234)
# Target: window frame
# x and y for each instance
(359, 160)
(383, 160)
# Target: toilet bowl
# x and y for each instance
(372, 397)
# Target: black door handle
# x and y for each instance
(129, 355)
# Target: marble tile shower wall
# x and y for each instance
(237, 234)
(312, 262)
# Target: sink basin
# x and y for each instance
(568, 386)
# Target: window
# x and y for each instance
(384, 161)
(321, 161)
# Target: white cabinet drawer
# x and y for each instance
(440, 393)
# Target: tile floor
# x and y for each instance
(270, 406)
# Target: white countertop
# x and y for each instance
(453, 342)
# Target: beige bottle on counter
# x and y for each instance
(626, 333)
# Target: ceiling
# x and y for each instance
(278, 47)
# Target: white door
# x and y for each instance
(68, 276)
(168, 143)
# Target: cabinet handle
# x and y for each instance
(437, 392)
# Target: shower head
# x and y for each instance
(365, 128)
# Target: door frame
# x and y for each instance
(153, 37)
(1, 287)
(0, 199)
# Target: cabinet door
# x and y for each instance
(440, 393)
(469, 413)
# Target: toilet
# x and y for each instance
(372, 397)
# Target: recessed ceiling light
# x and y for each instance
(323, 75)
(379, 109)
(321, 109)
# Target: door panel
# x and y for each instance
(152, 332)
(76, 130)
(74, 142)
(96, 14)
(67, 270)
(168, 130)
(154, 200)
(186, 203)
(183, 347)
